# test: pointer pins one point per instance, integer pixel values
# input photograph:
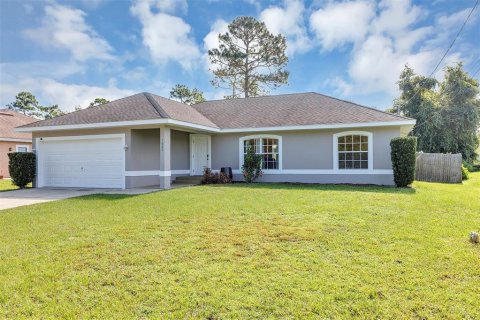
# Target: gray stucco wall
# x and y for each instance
(180, 150)
(310, 150)
(145, 150)
(304, 149)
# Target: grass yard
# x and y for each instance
(7, 185)
(246, 252)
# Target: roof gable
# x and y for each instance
(141, 106)
(9, 120)
(297, 109)
(288, 110)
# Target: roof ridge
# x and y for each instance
(361, 105)
(257, 97)
(156, 105)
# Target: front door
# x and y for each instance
(200, 158)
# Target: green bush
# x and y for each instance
(464, 173)
(252, 165)
(403, 160)
(21, 166)
(471, 167)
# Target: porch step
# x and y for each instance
(192, 180)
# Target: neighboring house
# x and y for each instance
(10, 140)
(145, 140)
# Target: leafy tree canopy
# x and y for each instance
(250, 60)
(447, 113)
(98, 102)
(186, 95)
(26, 103)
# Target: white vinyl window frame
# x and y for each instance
(261, 136)
(18, 146)
(367, 134)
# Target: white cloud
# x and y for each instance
(166, 36)
(288, 21)
(383, 40)
(67, 96)
(65, 28)
(396, 16)
(376, 65)
(340, 23)
(170, 5)
(211, 39)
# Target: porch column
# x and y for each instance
(165, 172)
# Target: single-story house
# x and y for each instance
(10, 140)
(145, 140)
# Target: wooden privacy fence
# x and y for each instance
(438, 167)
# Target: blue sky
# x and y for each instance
(69, 52)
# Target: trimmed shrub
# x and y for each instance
(464, 173)
(471, 167)
(210, 177)
(21, 166)
(403, 160)
(252, 165)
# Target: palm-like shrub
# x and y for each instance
(252, 165)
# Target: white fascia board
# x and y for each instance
(326, 171)
(323, 126)
(212, 129)
(15, 140)
(115, 124)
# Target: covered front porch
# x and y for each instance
(157, 156)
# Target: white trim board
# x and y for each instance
(184, 124)
(323, 126)
(155, 173)
(320, 171)
(115, 124)
(15, 140)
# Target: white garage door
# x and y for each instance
(87, 162)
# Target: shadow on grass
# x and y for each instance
(322, 187)
(106, 196)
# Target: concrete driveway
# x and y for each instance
(17, 198)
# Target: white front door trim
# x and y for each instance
(40, 156)
(209, 148)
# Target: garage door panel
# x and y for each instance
(83, 163)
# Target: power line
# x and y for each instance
(455, 39)
(446, 52)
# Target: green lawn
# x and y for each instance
(7, 185)
(246, 252)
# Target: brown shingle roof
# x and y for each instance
(9, 120)
(267, 111)
(141, 106)
(289, 110)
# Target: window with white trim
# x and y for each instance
(21, 148)
(353, 151)
(266, 146)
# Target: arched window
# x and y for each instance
(269, 146)
(352, 150)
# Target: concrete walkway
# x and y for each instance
(17, 198)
